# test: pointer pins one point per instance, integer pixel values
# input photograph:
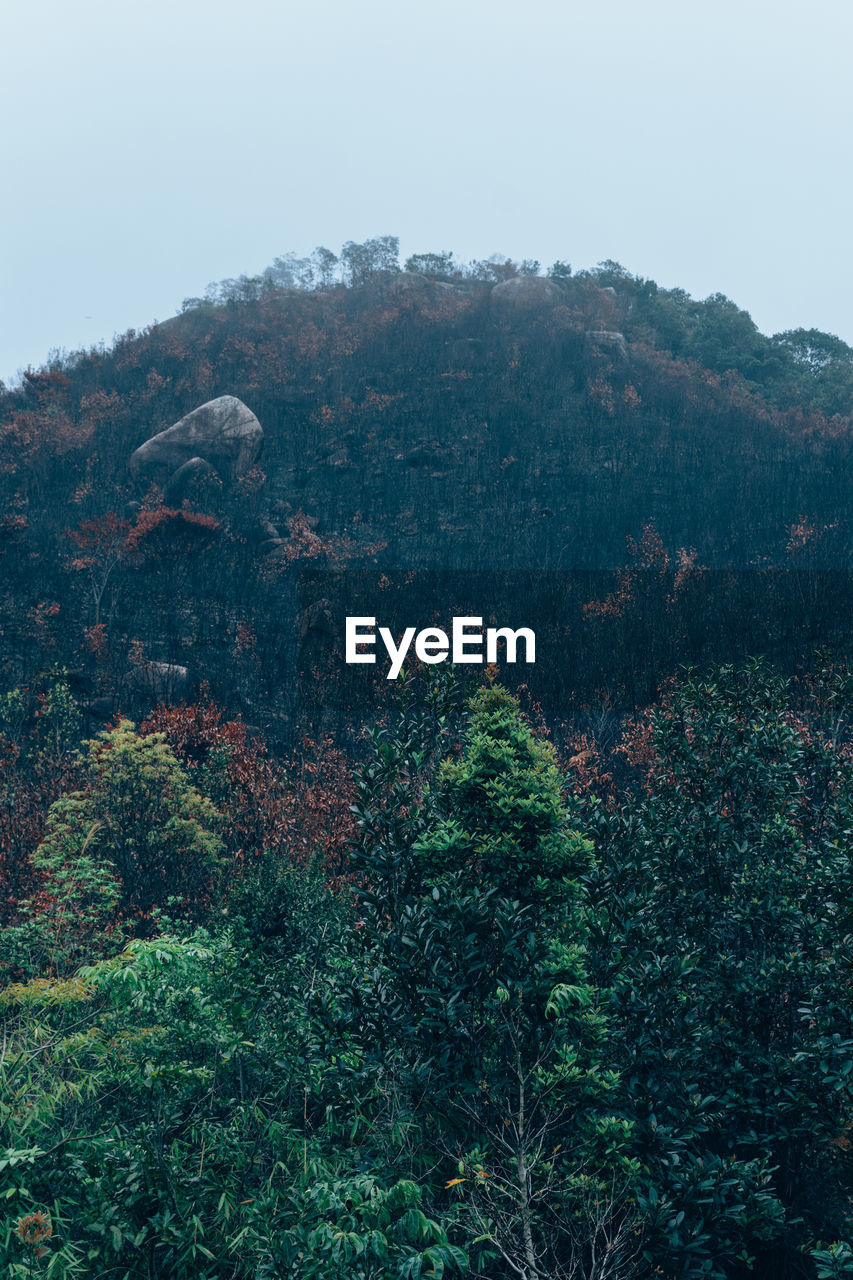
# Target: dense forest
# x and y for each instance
(538, 972)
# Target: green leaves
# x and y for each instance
(723, 883)
(488, 1017)
(357, 1229)
(835, 1262)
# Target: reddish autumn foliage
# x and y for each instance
(293, 811)
(94, 537)
(650, 562)
(165, 533)
(305, 544)
(29, 783)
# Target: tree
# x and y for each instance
(814, 348)
(724, 925)
(356, 1229)
(438, 266)
(101, 545)
(325, 263)
(482, 937)
(361, 261)
(73, 915)
(137, 823)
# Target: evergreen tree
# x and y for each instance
(502, 1033)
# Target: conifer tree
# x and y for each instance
(503, 1034)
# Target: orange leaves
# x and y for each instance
(304, 543)
(290, 810)
(479, 1174)
(649, 552)
(165, 533)
(601, 392)
(245, 639)
(33, 1229)
(93, 537)
(806, 534)
(46, 382)
(252, 481)
(651, 561)
(95, 640)
(615, 604)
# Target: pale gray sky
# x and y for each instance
(151, 147)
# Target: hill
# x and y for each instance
(437, 418)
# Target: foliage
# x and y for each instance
(435, 431)
(359, 1230)
(520, 1033)
(40, 731)
(485, 994)
(75, 912)
(724, 926)
(136, 834)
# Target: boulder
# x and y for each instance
(420, 456)
(266, 530)
(408, 282)
(527, 293)
(162, 681)
(608, 342)
(427, 455)
(411, 284)
(223, 432)
(195, 477)
(319, 616)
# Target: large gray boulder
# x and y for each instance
(223, 432)
(527, 293)
(411, 284)
(609, 343)
(162, 681)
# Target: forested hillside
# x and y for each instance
(538, 972)
(432, 418)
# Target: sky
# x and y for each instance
(152, 146)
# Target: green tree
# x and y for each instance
(484, 987)
(136, 834)
(355, 1229)
(724, 926)
(360, 262)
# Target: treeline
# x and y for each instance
(799, 365)
(470, 1009)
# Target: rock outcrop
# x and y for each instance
(412, 284)
(607, 342)
(319, 616)
(162, 681)
(527, 292)
(224, 433)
